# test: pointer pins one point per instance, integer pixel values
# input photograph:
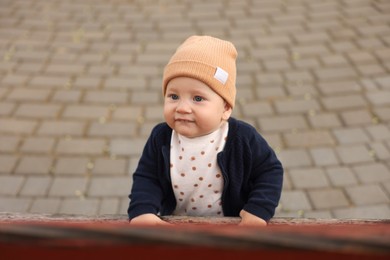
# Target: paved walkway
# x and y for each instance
(80, 91)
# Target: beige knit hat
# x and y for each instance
(208, 59)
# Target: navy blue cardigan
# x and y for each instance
(253, 176)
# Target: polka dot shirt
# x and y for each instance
(197, 180)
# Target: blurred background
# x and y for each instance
(80, 90)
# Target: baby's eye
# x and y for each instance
(198, 98)
(173, 96)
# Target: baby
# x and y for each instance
(202, 161)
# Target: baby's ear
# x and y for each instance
(227, 112)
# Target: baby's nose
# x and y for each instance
(183, 107)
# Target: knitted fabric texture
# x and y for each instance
(208, 59)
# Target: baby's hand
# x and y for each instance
(148, 219)
(248, 219)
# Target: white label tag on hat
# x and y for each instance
(221, 75)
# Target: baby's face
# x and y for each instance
(193, 109)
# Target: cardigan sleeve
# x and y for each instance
(266, 177)
(146, 192)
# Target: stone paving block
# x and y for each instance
(14, 205)
(361, 57)
(106, 97)
(278, 40)
(67, 96)
(64, 69)
(367, 195)
(133, 163)
(114, 129)
(379, 132)
(45, 206)
(277, 65)
(328, 198)
(72, 166)
(7, 163)
(269, 78)
(324, 156)
(383, 81)
(370, 43)
(30, 67)
(351, 136)
(124, 205)
(294, 200)
(301, 89)
(372, 173)
(68, 187)
(370, 30)
(38, 111)
(22, 94)
(306, 63)
(37, 165)
(258, 108)
(103, 166)
(50, 82)
(339, 87)
(109, 187)
(364, 212)
(88, 82)
(37, 145)
(128, 72)
(319, 214)
(325, 120)
(383, 113)
(11, 185)
(17, 126)
(62, 128)
(145, 97)
(79, 206)
(296, 106)
(125, 83)
(308, 139)
(308, 178)
(311, 38)
(9, 143)
(100, 70)
(154, 113)
(127, 113)
(357, 117)
(299, 76)
(343, 102)
(343, 46)
(312, 50)
(341, 176)
(123, 147)
(6, 109)
(334, 60)
(269, 93)
(354, 154)
(81, 146)
(292, 158)
(36, 186)
(14, 79)
(146, 128)
(270, 53)
(379, 98)
(282, 123)
(85, 112)
(109, 207)
(370, 70)
(380, 151)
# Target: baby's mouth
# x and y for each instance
(182, 120)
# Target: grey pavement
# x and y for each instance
(80, 90)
